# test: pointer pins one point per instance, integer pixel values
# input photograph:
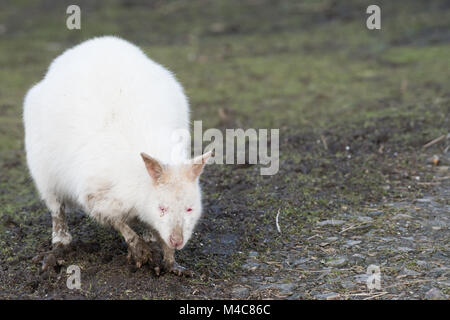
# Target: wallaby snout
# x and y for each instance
(176, 238)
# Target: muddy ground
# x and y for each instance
(357, 185)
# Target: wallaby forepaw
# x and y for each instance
(179, 270)
(140, 253)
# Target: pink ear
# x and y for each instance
(154, 168)
(199, 163)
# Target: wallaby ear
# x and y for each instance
(154, 168)
(198, 164)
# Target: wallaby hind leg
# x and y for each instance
(61, 237)
(60, 233)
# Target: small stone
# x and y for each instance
(435, 294)
(324, 286)
(423, 264)
(215, 209)
(331, 239)
(444, 282)
(348, 284)
(253, 254)
(409, 272)
(285, 288)
(297, 296)
(327, 296)
(375, 213)
(438, 271)
(357, 258)
(251, 266)
(362, 278)
(404, 249)
(351, 243)
(424, 200)
(300, 261)
(254, 279)
(401, 216)
(331, 222)
(217, 27)
(239, 291)
(442, 169)
(337, 262)
(365, 219)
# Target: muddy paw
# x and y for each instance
(179, 270)
(53, 259)
(139, 252)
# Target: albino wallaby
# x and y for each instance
(98, 135)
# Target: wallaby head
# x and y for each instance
(174, 203)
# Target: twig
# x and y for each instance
(428, 183)
(358, 294)
(376, 296)
(325, 145)
(276, 221)
(324, 270)
(312, 237)
(434, 141)
(313, 271)
(353, 226)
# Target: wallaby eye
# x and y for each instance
(163, 210)
(188, 209)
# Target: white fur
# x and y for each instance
(99, 106)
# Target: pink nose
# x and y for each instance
(176, 241)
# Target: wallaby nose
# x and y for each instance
(176, 240)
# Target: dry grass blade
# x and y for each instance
(434, 141)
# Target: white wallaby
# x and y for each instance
(98, 135)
